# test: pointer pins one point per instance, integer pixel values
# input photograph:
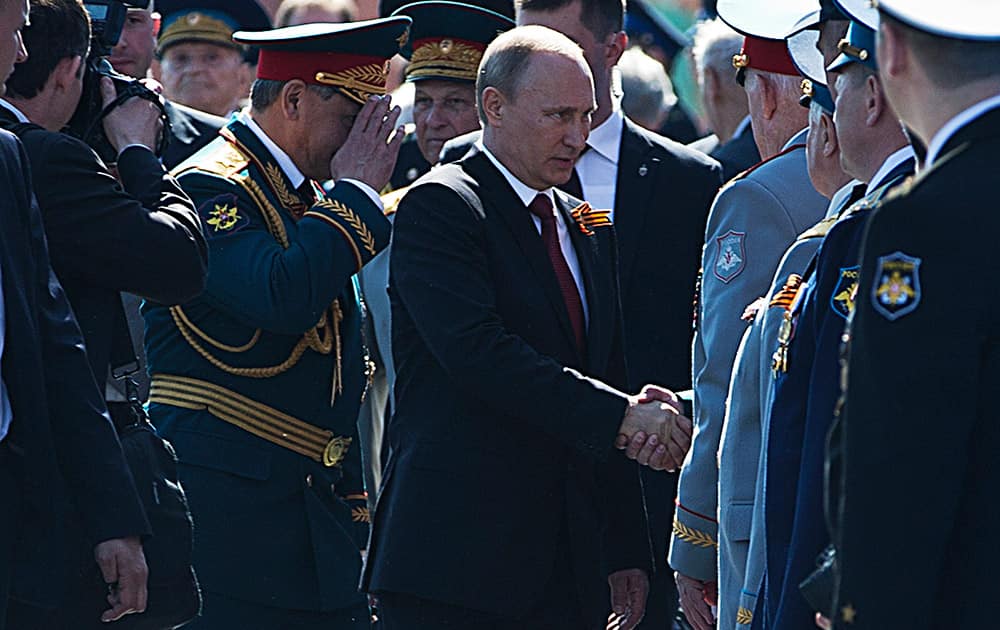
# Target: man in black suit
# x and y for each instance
(659, 193)
(141, 236)
(914, 503)
(500, 303)
(190, 129)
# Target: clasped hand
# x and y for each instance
(654, 432)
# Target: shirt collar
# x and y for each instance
(742, 126)
(606, 138)
(17, 113)
(840, 198)
(952, 126)
(891, 162)
(291, 171)
(799, 138)
(524, 192)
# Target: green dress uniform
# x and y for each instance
(258, 382)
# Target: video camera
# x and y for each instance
(107, 17)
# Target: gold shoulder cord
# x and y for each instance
(324, 344)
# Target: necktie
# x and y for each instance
(541, 207)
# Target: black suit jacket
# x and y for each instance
(915, 546)
(68, 457)
(735, 156)
(501, 448)
(190, 130)
(663, 194)
(144, 238)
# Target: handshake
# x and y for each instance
(654, 432)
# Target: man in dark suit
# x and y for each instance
(58, 451)
(190, 129)
(659, 193)
(142, 235)
(912, 464)
(497, 314)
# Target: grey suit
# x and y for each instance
(753, 220)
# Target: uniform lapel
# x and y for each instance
(637, 174)
(497, 195)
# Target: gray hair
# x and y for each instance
(647, 88)
(264, 92)
(507, 57)
(714, 46)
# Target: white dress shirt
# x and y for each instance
(948, 130)
(527, 194)
(286, 164)
(17, 113)
(598, 166)
(890, 163)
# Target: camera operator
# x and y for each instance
(141, 235)
(190, 129)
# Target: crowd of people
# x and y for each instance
(404, 305)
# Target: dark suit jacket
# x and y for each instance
(501, 448)
(664, 191)
(735, 156)
(915, 544)
(190, 130)
(69, 461)
(144, 238)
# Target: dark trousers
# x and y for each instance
(220, 612)
(10, 507)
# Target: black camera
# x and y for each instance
(107, 17)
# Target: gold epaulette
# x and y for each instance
(819, 230)
(390, 200)
(224, 160)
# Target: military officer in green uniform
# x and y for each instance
(446, 42)
(258, 381)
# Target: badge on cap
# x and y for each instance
(845, 292)
(730, 256)
(896, 291)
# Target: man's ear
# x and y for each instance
(893, 56)
(493, 103)
(615, 48)
(66, 72)
(291, 97)
(830, 141)
(768, 95)
(875, 103)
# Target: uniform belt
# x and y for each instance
(254, 417)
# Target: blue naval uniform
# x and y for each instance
(258, 382)
(806, 388)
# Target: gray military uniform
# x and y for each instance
(747, 415)
(753, 220)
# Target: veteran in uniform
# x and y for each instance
(753, 220)
(741, 561)
(914, 456)
(806, 384)
(258, 382)
(445, 44)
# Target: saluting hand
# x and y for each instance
(368, 155)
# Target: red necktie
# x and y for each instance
(541, 207)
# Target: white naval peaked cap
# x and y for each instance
(806, 57)
(957, 19)
(769, 19)
(864, 11)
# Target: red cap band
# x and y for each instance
(767, 55)
(283, 65)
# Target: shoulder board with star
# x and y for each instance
(219, 158)
(390, 200)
